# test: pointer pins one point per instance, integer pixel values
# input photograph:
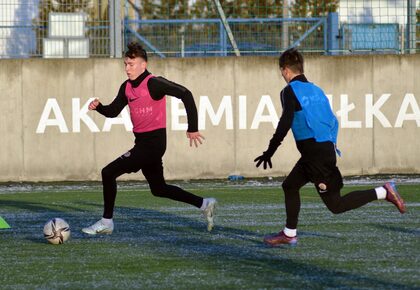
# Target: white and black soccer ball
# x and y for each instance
(56, 231)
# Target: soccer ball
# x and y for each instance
(56, 231)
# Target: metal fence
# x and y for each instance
(379, 26)
(185, 28)
(207, 37)
(54, 29)
(269, 27)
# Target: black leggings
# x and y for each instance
(147, 156)
(301, 174)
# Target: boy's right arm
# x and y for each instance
(288, 100)
(112, 110)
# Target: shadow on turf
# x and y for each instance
(396, 229)
(179, 235)
(38, 207)
(34, 216)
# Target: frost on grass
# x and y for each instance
(168, 247)
(16, 187)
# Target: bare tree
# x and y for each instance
(313, 8)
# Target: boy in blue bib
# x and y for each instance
(306, 110)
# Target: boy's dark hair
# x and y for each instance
(292, 59)
(135, 50)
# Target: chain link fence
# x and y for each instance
(186, 28)
(207, 37)
(54, 28)
(379, 26)
(194, 28)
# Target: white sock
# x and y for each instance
(380, 192)
(107, 222)
(205, 203)
(289, 232)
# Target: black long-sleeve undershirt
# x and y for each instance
(158, 88)
(290, 105)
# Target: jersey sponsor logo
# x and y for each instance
(142, 111)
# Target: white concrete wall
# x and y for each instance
(72, 145)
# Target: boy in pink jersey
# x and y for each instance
(145, 96)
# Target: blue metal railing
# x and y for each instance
(370, 37)
(168, 37)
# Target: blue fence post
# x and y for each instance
(325, 35)
(223, 44)
(333, 34)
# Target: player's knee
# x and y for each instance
(336, 209)
(107, 173)
(289, 188)
(159, 191)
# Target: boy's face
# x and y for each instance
(134, 67)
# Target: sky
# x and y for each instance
(15, 39)
(378, 11)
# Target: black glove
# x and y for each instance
(266, 158)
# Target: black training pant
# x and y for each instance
(146, 156)
(319, 167)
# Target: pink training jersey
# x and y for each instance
(146, 113)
